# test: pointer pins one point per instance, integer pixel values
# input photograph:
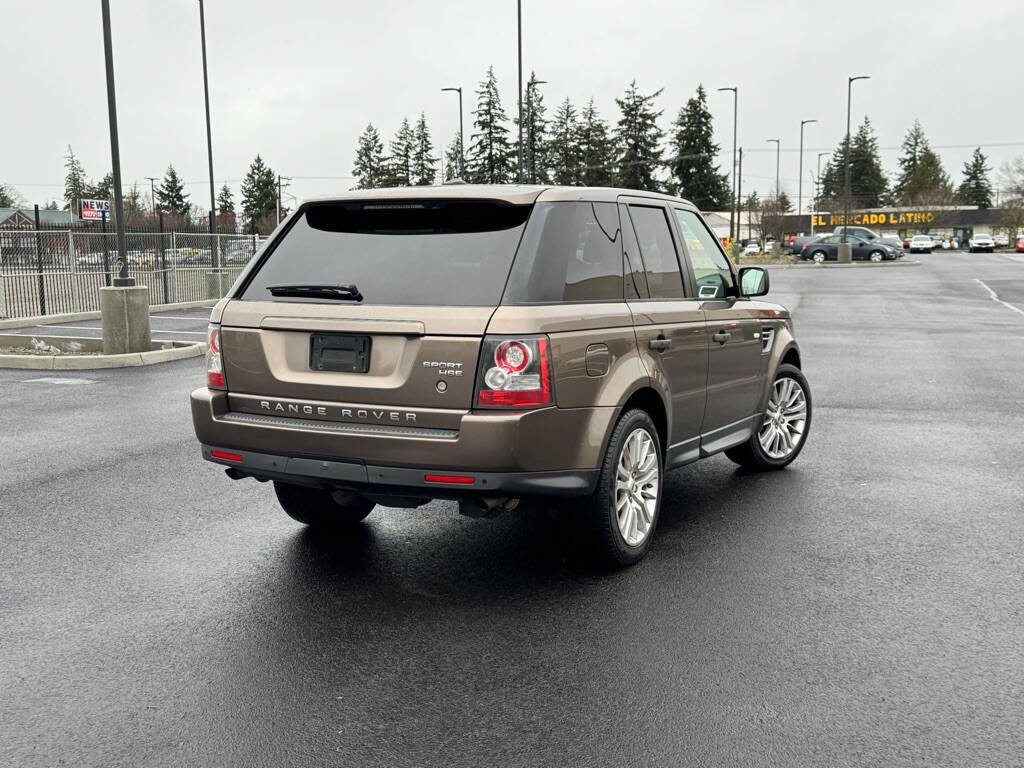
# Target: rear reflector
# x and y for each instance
(450, 479)
(225, 456)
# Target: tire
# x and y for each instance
(322, 508)
(818, 257)
(752, 454)
(611, 544)
(876, 256)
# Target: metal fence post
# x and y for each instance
(76, 304)
(39, 265)
(163, 258)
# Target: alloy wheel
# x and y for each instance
(784, 419)
(876, 256)
(819, 257)
(636, 487)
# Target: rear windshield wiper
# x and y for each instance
(317, 291)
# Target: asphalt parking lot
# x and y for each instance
(863, 607)
(167, 325)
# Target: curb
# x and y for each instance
(96, 362)
(71, 317)
(836, 265)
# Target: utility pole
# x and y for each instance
(122, 279)
(280, 185)
(800, 176)
(215, 256)
(519, 147)
(739, 191)
(462, 150)
(778, 149)
(846, 153)
(734, 211)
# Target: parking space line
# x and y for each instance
(995, 297)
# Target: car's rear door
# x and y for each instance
(669, 323)
(735, 379)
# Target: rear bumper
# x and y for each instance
(544, 451)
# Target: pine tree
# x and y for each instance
(976, 189)
(535, 140)
(453, 160)
(639, 140)
(424, 164)
(784, 204)
(491, 157)
(102, 189)
(52, 206)
(259, 196)
(868, 185)
(914, 144)
(134, 205)
(399, 160)
(170, 195)
(369, 168)
(596, 149)
(75, 184)
(563, 146)
(693, 166)
(225, 201)
(929, 184)
(830, 190)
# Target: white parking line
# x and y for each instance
(995, 297)
(200, 318)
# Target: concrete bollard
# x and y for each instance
(215, 287)
(124, 312)
(845, 254)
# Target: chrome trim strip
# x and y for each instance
(338, 426)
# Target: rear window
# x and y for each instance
(455, 253)
(570, 252)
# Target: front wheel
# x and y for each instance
(784, 428)
(623, 510)
(322, 508)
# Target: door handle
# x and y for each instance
(660, 344)
(722, 336)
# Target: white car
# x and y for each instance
(921, 244)
(981, 243)
(752, 248)
(769, 246)
(1001, 241)
(937, 241)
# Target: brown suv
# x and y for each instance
(497, 343)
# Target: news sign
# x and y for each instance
(95, 210)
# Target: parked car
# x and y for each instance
(768, 246)
(921, 244)
(345, 369)
(862, 232)
(937, 241)
(827, 249)
(1020, 245)
(1001, 241)
(752, 248)
(906, 243)
(797, 243)
(896, 243)
(981, 243)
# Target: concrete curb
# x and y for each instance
(96, 362)
(836, 265)
(72, 317)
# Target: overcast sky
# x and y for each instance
(298, 81)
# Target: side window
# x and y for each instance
(569, 252)
(710, 265)
(661, 264)
(632, 264)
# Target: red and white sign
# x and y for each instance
(95, 210)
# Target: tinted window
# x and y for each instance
(415, 252)
(658, 251)
(570, 252)
(710, 266)
(632, 264)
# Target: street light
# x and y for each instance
(462, 156)
(519, 147)
(732, 211)
(800, 177)
(846, 152)
(214, 255)
(778, 149)
(530, 137)
(122, 278)
(152, 192)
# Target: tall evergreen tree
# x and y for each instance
(453, 160)
(399, 161)
(596, 149)
(929, 184)
(134, 204)
(424, 165)
(914, 145)
(102, 189)
(225, 201)
(491, 157)
(75, 183)
(369, 168)
(535, 141)
(976, 189)
(639, 140)
(830, 190)
(693, 168)
(563, 146)
(170, 195)
(868, 183)
(259, 196)
(783, 203)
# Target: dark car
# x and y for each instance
(796, 244)
(827, 249)
(895, 242)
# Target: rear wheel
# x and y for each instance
(783, 431)
(876, 256)
(322, 508)
(623, 510)
(818, 257)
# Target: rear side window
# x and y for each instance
(432, 252)
(571, 252)
(710, 266)
(661, 264)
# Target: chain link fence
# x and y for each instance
(49, 271)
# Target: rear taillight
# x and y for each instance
(214, 361)
(514, 373)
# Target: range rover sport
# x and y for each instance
(491, 344)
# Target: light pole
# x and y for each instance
(519, 147)
(529, 133)
(778, 149)
(215, 256)
(122, 278)
(800, 177)
(846, 153)
(462, 155)
(152, 192)
(732, 211)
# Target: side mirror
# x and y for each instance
(753, 281)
